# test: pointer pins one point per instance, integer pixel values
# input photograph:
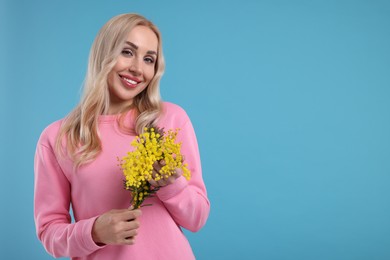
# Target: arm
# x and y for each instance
(51, 209)
(186, 200)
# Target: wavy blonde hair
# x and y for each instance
(80, 128)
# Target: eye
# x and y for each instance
(149, 60)
(127, 52)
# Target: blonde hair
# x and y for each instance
(80, 127)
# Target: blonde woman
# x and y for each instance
(76, 158)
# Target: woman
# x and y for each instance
(76, 158)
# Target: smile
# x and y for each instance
(129, 82)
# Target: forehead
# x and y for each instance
(144, 38)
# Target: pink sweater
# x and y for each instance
(97, 187)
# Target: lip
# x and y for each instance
(127, 83)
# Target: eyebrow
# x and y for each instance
(136, 48)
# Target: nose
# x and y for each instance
(135, 67)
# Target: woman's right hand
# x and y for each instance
(116, 227)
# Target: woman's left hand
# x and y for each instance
(164, 181)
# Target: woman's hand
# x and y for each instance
(116, 227)
(164, 181)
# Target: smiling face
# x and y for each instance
(134, 68)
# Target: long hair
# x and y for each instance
(80, 128)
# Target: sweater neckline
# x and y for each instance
(128, 116)
(127, 122)
(108, 118)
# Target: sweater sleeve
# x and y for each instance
(52, 190)
(187, 201)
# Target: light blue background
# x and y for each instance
(290, 101)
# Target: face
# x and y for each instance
(134, 69)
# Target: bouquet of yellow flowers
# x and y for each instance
(152, 146)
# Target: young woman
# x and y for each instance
(76, 158)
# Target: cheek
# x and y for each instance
(150, 73)
(110, 79)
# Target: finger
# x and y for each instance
(130, 234)
(178, 173)
(155, 165)
(162, 182)
(160, 175)
(153, 183)
(136, 213)
(164, 176)
(128, 241)
(154, 173)
(129, 226)
(129, 215)
(171, 180)
(158, 165)
(117, 211)
(117, 215)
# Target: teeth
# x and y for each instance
(130, 81)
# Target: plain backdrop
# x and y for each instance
(290, 101)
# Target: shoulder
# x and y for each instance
(172, 108)
(173, 114)
(49, 134)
